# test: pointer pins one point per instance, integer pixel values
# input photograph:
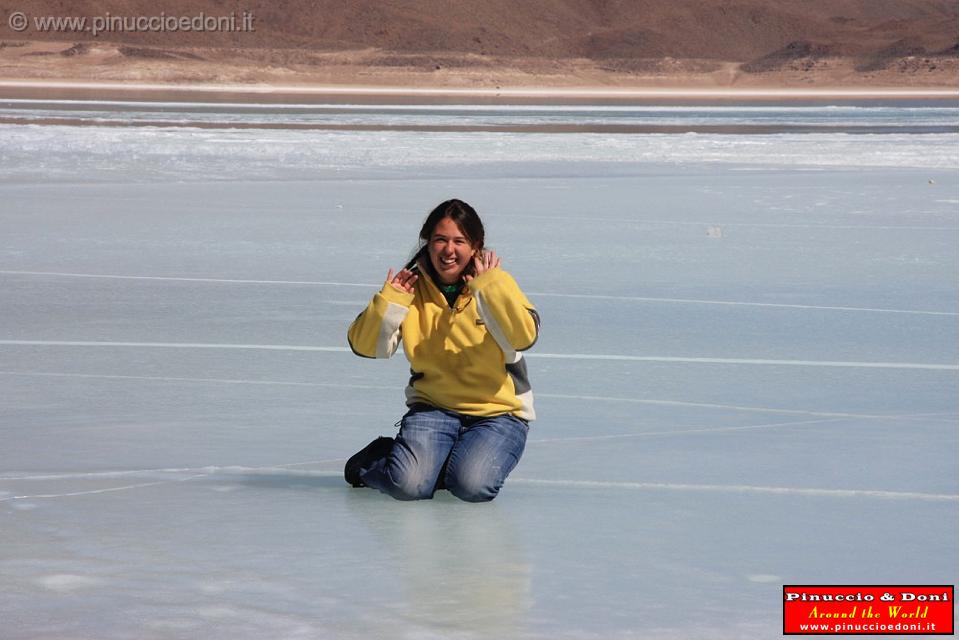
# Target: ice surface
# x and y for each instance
(178, 399)
(873, 113)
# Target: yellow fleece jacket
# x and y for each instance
(467, 358)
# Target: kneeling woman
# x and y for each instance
(463, 322)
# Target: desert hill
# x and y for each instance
(769, 42)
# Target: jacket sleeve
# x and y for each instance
(376, 332)
(508, 315)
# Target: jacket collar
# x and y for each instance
(433, 293)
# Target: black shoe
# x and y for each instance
(379, 448)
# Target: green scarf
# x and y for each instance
(451, 291)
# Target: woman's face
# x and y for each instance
(450, 251)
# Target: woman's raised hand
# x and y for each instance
(483, 262)
(402, 281)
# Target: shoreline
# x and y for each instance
(369, 94)
(735, 129)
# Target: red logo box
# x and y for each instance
(922, 610)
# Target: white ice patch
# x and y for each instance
(158, 155)
(217, 613)
(65, 582)
(224, 488)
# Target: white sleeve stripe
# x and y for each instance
(495, 330)
(389, 337)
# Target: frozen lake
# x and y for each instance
(748, 376)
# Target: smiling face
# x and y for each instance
(450, 251)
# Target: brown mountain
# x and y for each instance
(484, 41)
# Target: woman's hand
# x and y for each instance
(484, 262)
(403, 281)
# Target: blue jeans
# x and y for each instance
(473, 453)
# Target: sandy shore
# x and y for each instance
(497, 128)
(290, 93)
(104, 71)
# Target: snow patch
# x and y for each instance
(65, 582)
(217, 613)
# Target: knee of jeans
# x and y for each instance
(411, 486)
(473, 487)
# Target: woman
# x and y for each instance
(464, 322)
